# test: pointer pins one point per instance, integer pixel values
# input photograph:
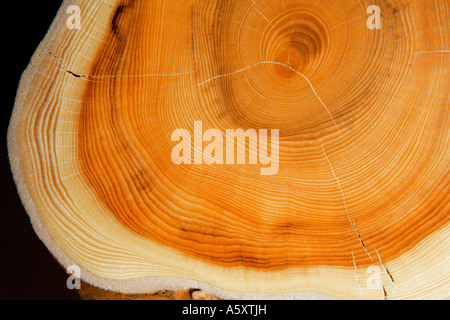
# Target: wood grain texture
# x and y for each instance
(363, 117)
(88, 292)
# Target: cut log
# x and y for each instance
(118, 145)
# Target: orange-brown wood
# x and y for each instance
(364, 133)
(272, 222)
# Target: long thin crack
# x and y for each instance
(391, 279)
(356, 273)
(352, 223)
(384, 292)
(63, 67)
(90, 77)
(142, 75)
(280, 64)
(323, 104)
(237, 71)
(437, 51)
(345, 22)
(265, 18)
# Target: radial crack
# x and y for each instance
(352, 223)
(345, 22)
(236, 72)
(280, 64)
(261, 13)
(323, 104)
(391, 279)
(437, 51)
(384, 293)
(63, 67)
(356, 273)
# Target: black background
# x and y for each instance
(27, 269)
